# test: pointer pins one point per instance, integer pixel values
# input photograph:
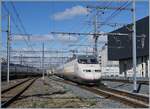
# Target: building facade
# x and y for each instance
(142, 67)
(109, 68)
(120, 49)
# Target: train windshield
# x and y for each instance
(93, 61)
(87, 61)
(82, 61)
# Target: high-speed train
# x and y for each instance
(82, 69)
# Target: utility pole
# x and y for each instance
(8, 48)
(62, 58)
(43, 60)
(149, 43)
(21, 59)
(134, 48)
(95, 36)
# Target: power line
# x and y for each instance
(17, 27)
(12, 18)
(108, 4)
(116, 12)
(18, 16)
(21, 23)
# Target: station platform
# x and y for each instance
(140, 80)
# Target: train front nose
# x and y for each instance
(91, 75)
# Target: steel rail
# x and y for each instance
(9, 101)
(13, 86)
(125, 93)
(132, 99)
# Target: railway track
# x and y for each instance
(10, 94)
(132, 99)
(135, 100)
(14, 85)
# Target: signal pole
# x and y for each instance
(8, 48)
(134, 48)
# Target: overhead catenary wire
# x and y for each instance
(21, 23)
(17, 26)
(20, 30)
(120, 8)
(81, 28)
(18, 16)
(102, 12)
(108, 4)
(115, 13)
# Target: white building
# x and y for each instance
(109, 68)
(142, 68)
(123, 67)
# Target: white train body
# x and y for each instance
(82, 69)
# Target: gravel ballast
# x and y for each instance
(49, 93)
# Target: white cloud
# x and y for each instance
(30, 54)
(46, 37)
(19, 37)
(66, 38)
(86, 49)
(70, 13)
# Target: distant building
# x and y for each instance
(109, 68)
(120, 49)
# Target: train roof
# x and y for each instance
(80, 57)
(85, 56)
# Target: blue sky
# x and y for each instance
(38, 20)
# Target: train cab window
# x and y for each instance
(82, 61)
(93, 61)
(88, 61)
